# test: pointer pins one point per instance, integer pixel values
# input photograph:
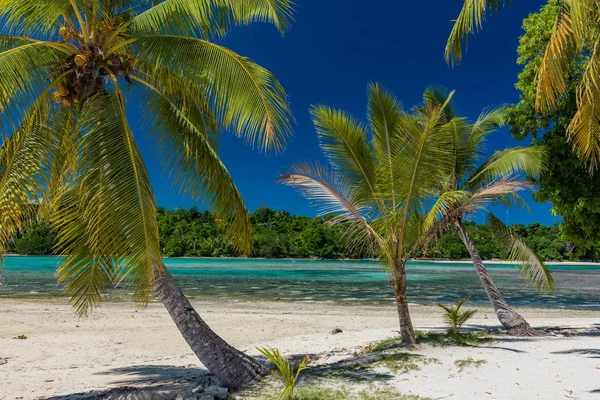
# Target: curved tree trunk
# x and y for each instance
(232, 367)
(509, 318)
(406, 328)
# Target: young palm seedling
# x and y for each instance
(288, 371)
(455, 318)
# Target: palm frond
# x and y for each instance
(107, 225)
(551, 74)
(24, 158)
(244, 96)
(195, 18)
(278, 12)
(34, 16)
(509, 162)
(446, 203)
(211, 18)
(62, 167)
(384, 112)
(343, 140)
(530, 266)
(468, 21)
(490, 119)
(24, 71)
(182, 129)
(584, 129)
(334, 194)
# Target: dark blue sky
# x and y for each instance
(334, 49)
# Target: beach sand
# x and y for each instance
(119, 345)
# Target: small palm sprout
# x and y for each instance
(454, 317)
(288, 371)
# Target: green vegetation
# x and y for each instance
(571, 32)
(467, 363)
(288, 371)
(320, 392)
(402, 363)
(196, 233)
(454, 317)
(567, 184)
(452, 339)
(436, 339)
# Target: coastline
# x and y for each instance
(429, 260)
(121, 345)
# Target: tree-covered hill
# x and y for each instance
(279, 234)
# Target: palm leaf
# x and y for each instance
(584, 129)
(343, 140)
(507, 163)
(384, 112)
(530, 266)
(551, 74)
(24, 158)
(469, 21)
(182, 131)
(107, 225)
(335, 194)
(244, 96)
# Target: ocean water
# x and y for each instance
(339, 281)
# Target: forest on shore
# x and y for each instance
(279, 234)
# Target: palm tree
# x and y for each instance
(576, 31)
(472, 184)
(69, 71)
(377, 179)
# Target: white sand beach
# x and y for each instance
(119, 346)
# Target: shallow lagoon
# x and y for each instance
(346, 281)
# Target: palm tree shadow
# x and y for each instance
(150, 374)
(156, 382)
(591, 353)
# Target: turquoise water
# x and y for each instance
(344, 281)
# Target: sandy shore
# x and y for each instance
(119, 345)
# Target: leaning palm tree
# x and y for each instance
(70, 70)
(377, 180)
(472, 184)
(576, 31)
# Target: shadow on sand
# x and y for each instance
(592, 353)
(160, 382)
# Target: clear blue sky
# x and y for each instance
(334, 49)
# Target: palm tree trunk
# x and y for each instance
(232, 367)
(509, 318)
(406, 328)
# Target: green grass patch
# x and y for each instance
(387, 394)
(402, 363)
(316, 393)
(453, 339)
(468, 363)
(435, 339)
(385, 345)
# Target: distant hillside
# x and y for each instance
(279, 234)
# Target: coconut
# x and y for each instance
(80, 60)
(64, 91)
(56, 97)
(63, 31)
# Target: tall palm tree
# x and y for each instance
(378, 176)
(66, 69)
(473, 183)
(576, 30)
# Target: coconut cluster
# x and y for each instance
(82, 74)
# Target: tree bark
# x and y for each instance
(232, 367)
(509, 318)
(406, 328)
